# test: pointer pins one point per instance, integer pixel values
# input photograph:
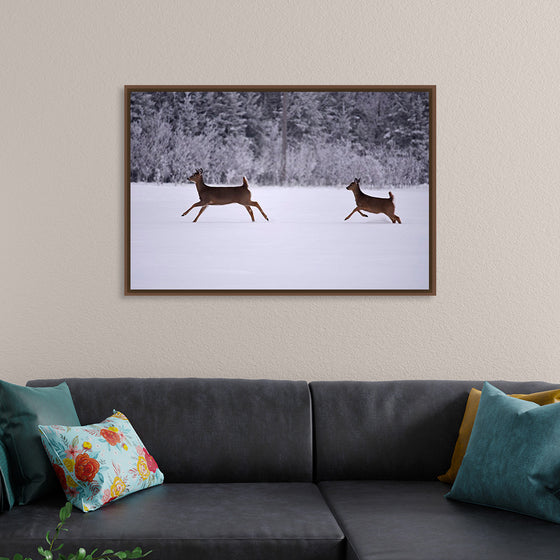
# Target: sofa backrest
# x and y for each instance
(393, 430)
(208, 430)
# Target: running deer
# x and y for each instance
(222, 195)
(371, 203)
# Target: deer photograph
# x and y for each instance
(373, 204)
(210, 196)
(273, 163)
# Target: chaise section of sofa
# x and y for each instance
(379, 448)
(238, 465)
(411, 520)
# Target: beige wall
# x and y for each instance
(495, 64)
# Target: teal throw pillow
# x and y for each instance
(21, 410)
(99, 463)
(513, 457)
(6, 491)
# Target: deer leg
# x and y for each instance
(394, 218)
(355, 210)
(201, 210)
(257, 205)
(199, 203)
(250, 213)
(362, 214)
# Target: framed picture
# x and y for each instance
(280, 190)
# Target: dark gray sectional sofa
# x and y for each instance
(285, 470)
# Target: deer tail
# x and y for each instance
(245, 184)
(391, 196)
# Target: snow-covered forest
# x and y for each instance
(281, 138)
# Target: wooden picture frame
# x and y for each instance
(297, 150)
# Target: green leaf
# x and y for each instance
(65, 512)
(104, 553)
(18, 556)
(121, 555)
(58, 547)
(81, 554)
(4, 558)
(46, 554)
(47, 538)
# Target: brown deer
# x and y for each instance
(210, 196)
(371, 203)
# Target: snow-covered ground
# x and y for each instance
(305, 245)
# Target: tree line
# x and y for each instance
(280, 138)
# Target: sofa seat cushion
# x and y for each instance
(244, 521)
(392, 520)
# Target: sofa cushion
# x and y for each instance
(21, 410)
(400, 430)
(209, 430)
(284, 521)
(411, 520)
(99, 463)
(513, 457)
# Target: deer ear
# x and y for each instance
(358, 180)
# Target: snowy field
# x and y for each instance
(305, 245)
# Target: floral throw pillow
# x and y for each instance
(99, 463)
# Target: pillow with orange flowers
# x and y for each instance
(99, 463)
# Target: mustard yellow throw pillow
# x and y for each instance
(541, 398)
